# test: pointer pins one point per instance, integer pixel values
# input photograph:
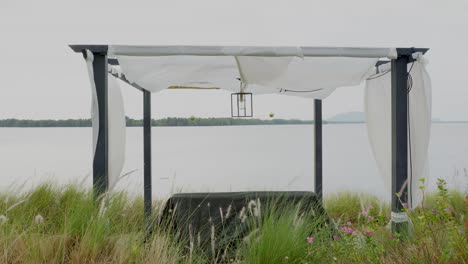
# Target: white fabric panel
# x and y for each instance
(146, 51)
(158, 73)
(116, 130)
(420, 107)
(116, 122)
(94, 101)
(378, 115)
(263, 71)
(314, 77)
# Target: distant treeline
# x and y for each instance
(170, 121)
(177, 121)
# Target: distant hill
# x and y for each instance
(348, 117)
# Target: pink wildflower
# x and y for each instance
(365, 213)
(392, 237)
(348, 230)
(368, 233)
(335, 237)
(310, 240)
(371, 217)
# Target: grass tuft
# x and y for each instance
(52, 224)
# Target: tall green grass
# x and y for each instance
(66, 225)
(53, 224)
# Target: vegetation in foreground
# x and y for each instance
(65, 225)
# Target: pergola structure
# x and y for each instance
(399, 58)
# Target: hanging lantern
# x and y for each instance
(241, 105)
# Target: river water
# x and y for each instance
(223, 158)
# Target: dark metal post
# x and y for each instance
(318, 147)
(101, 157)
(399, 142)
(147, 155)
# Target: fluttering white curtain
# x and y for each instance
(94, 100)
(378, 117)
(117, 131)
(116, 123)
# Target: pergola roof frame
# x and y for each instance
(399, 105)
(306, 51)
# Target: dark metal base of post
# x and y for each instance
(400, 228)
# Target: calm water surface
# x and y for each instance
(223, 158)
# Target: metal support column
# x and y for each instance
(101, 156)
(147, 156)
(399, 142)
(318, 171)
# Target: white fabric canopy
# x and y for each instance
(306, 72)
(314, 77)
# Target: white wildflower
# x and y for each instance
(258, 207)
(221, 213)
(242, 213)
(252, 204)
(228, 213)
(254, 207)
(213, 243)
(175, 209)
(39, 219)
(104, 204)
(191, 242)
(3, 219)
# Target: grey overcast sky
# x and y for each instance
(42, 78)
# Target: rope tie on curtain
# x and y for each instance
(401, 217)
